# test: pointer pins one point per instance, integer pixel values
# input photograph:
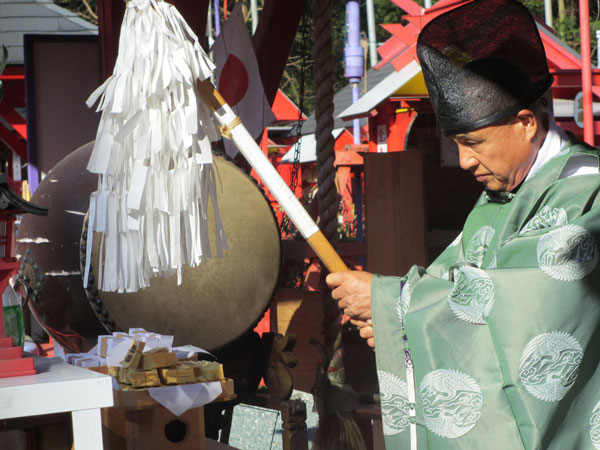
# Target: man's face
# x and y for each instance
(499, 156)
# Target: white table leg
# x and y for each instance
(87, 429)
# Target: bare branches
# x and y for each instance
(90, 10)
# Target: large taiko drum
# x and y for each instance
(217, 301)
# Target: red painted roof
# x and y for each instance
(284, 109)
(399, 49)
(409, 6)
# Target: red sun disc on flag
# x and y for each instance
(233, 81)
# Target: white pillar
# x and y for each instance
(254, 14)
(548, 11)
(87, 429)
(371, 33)
(598, 47)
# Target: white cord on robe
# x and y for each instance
(153, 154)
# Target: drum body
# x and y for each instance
(217, 301)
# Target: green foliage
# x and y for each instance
(347, 229)
(293, 275)
(566, 25)
(535, 6)
(86, 9)
(385, 12)
(301, 61)
(565, 21)
(287, 229)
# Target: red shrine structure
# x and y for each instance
(12, 362)
(408, 158)
(396, 106)
(399, 121)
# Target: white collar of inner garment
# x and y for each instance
(555, 140)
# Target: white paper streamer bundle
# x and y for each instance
(153, 154)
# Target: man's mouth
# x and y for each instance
(481, 177)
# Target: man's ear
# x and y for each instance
(527, 119)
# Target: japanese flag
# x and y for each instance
(238, 79)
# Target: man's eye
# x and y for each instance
(472, 143)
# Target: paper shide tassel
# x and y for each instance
(153, 154)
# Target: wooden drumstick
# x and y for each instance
(232, 128)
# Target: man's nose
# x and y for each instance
(466, 158)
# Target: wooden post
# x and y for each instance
(293, 417)
(394, 195)
(586, 72)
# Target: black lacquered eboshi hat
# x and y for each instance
(482, 62)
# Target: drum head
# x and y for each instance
(223, 297)
(218, 300)
(53, 240)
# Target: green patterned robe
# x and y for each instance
(503, 329)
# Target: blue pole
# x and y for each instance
(217, 18)
(356, 122)
(354, 56)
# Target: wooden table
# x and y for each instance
(58, 387)
(137, 421)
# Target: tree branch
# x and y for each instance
(90, 10)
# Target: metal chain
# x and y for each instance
(296, 165)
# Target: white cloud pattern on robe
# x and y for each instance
(478, 245)
(595, 426)
(546, 218)
(451, 402)
(472, 296)
(550, 364)
(395, 408)
(568, 253)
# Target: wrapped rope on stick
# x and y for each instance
(153, 154)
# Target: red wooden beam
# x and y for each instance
(400, 61)
(401, 32)
(14, 92)
(573, 128)
(389, 50)
(5, 78)
(571, 79)
(586, 71)
(14, 71)
(348, 158)
(14, 142)
(557, 54)
(16, 120)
